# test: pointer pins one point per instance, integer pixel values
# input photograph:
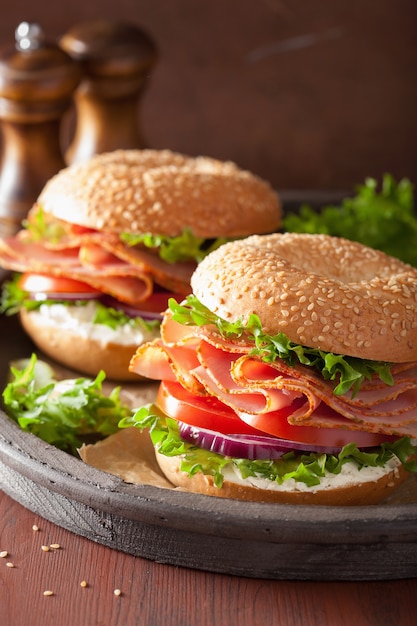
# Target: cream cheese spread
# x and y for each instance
(79, 320)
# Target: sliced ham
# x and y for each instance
(251, 387)
(170, 363)
(101, 260)
(172, 276)
(15, 251)
(126, 283)
(151, 360)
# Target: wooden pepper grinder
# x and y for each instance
(117, 59)
(37, 81)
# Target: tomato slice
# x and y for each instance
(45, 283)
(201, 411)
(76, 229)
(276, 424)
(210, 413)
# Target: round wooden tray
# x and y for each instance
(183, 529)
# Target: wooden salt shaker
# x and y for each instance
(117, 59)
(37, 81)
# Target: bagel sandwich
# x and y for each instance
(110, 240)
(288, 375)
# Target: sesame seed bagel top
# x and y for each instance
(321, 291)
(162, 192)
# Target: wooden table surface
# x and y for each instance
(154, 594)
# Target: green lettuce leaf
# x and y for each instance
(184, 247)
(114, 318)
(383, 219)
(62, 413)
(13, 298)
(305, 467)
(347, 372)
(40, 228)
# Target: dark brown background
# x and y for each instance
(311, 95)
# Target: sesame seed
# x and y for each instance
(83, 583)
(55, 546)
(9, 564)
(3, 554)
(45, 548)
(35, 528)
(117, 592)
(48, 592)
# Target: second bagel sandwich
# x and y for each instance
(109, 240)
(289, 375)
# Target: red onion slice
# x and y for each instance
(246, 446)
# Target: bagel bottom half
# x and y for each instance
(78, 352)
(376, 486)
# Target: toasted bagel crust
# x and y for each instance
(321, 291)
(369, 492)
(161, 192)
(82, 354)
